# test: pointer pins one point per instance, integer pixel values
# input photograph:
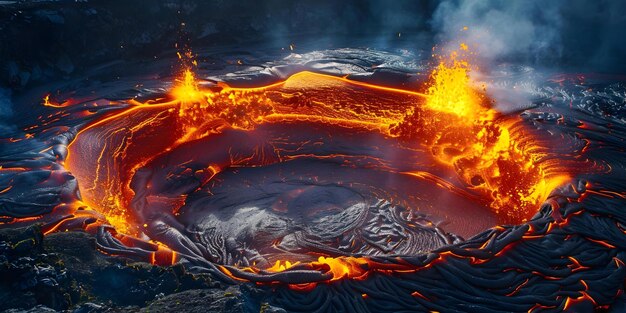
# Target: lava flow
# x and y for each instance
(319, 182)
(313, 156)
(180, 170)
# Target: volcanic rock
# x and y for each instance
(64, 271)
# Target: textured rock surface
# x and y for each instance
(575, 248)
(64, 271)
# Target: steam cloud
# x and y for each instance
(559, 35)
(585, 35)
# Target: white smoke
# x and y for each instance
(498, 32)
(501, 30)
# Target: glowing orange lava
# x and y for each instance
(346, 267)
(343, 267)
(453, 119)
(465, 133)
(187, 91)
(451, 91)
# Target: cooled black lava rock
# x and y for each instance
(36, 309)
(30, 275)
(199, 301)
(66, 272)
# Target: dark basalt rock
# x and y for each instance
(30, 275)
(65, 272)
(36, 309)
(199, 300)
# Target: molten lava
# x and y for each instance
(475, 155)
(187, 91)
(451, 91)
(317, 179)
(463, 132)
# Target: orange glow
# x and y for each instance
(452, 120)
(46, 100)
(339, 267)
(48, 103)
(418, 294)
(464, 133)
(119, 219)
(186, 90)
(344, 267)
(6, 189)
(280, 266)
(584, 297)
(450, 90)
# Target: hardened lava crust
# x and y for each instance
(329, 182)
